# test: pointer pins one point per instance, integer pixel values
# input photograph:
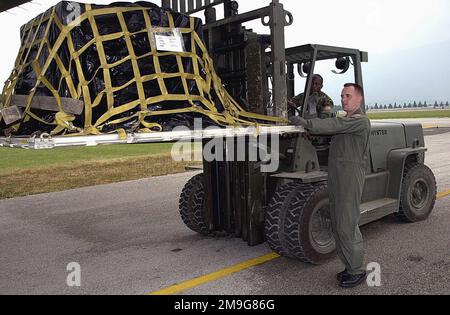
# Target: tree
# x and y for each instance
(390, 106)
(447, 104)
(376, 105)
(420, 105)
(415, 104)
(409, 105)
(436, 105)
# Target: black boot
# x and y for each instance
(340, 275)
(351, 281)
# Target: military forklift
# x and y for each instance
(289, 207)
(278, 195)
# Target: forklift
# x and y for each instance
(279, 194)
(288, 207)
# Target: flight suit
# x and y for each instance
(348, 161)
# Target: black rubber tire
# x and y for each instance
(418, 193)
(192, 202)
(275, 219)
(289, 223)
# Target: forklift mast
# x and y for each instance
(256, 79)
(235, 192)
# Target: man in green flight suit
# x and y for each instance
(347, 164)
(316, 102)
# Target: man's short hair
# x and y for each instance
(357, 87)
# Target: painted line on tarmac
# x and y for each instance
(443, 194)
(190, 284)
(183, 286)
(428, 126)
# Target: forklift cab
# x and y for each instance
(337, 66)
(310, 59)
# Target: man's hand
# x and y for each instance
(297, 121)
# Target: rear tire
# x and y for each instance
(192, 202)
(418, 194)
(298, 223)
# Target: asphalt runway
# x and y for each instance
(128, 238)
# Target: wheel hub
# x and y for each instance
(321, 229)
(419, 194)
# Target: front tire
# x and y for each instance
(298, 223)
(192, 203)
(418, 194)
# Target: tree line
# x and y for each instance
(415, 104)
(410, 105)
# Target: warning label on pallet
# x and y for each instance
(169, 42)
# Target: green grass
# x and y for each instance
(27, 172)
(410, 114)
(24, 182)
(13, 159)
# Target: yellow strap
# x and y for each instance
(122, 134)
(161, 83)
(101, 54)
(64, 122)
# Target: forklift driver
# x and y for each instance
(318, 105)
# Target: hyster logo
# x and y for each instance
(379, 133)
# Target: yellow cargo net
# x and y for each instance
(233, 115)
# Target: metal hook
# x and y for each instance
(45, 136)
(290, 18)
(264, 23)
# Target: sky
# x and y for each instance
(381, 27)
